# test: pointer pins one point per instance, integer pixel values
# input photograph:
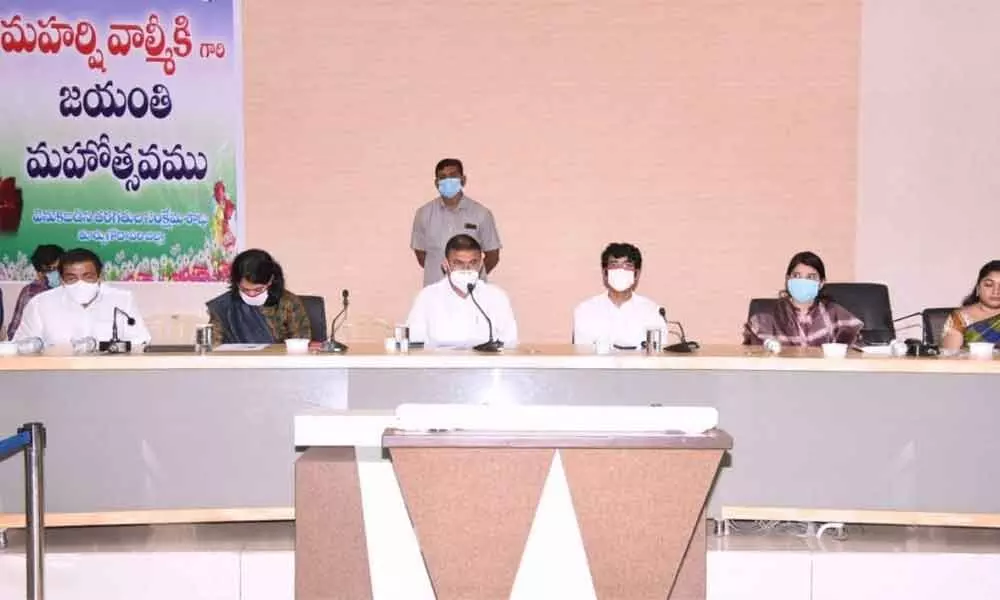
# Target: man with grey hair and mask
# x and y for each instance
(618, 316)
(444, 314)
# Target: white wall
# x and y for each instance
(929, 147)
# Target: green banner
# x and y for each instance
(122, 132)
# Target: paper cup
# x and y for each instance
(835, 350)
(981, 350)
(297, 345)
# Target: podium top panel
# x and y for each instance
(714, 439)
(618, 420)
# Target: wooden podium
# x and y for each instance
(636, 503)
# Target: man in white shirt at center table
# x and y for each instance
(83, 306)
(618, 316)
(444, 313)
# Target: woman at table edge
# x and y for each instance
(257, 309)
(978, 320)
(803, 315)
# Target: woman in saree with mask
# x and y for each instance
(803, 315)
(257, 308)
(979, 318)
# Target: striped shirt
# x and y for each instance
(823, 323)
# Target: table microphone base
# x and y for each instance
(681, 348)
(115, 347)
(333, 346)
(492, 346)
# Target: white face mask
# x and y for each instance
(82, 292)
(258, 300)
(462, 279)
(621, 280)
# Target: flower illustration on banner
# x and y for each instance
(222, 218)
(195, 265)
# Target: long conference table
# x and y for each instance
(172, 438)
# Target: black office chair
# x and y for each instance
(933, 320)
(761, 305)
(316, 309)
(868, 302)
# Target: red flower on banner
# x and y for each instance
(200, 273)
(11, 206)
(143, 276)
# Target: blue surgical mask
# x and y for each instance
(803, 290)
(450, 187)
(52, 279)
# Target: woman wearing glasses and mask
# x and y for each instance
(803, 315)
(257, 309)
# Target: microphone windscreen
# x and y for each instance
(130, 321)
(663, 312)
(470, 287)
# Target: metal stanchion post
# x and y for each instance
(34, 509)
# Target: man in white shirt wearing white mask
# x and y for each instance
(83, 306)
(618, 316)
(444, 313)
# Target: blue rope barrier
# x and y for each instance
(14, 444)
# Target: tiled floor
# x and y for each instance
(254, 561)
(860, 538)
(872, 563)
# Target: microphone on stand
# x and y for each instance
(117, 345)
(490, 345)
(684, 346)
(332, 345)
(919, 347)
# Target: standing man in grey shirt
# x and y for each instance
(448, 215)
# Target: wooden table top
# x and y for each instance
(528, 356)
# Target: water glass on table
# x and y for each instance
(32, 345)
(84, 345)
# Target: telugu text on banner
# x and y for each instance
(121, 132)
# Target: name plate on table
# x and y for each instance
(598, 419)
